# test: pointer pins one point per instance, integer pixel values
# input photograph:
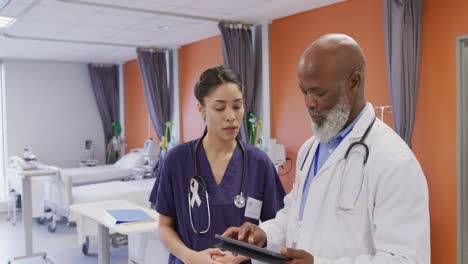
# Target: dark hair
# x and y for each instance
(212, 79)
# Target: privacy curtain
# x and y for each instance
(158, 93)
(402, 28)
(238, 55)
(105, 83)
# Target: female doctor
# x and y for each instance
(216, 181)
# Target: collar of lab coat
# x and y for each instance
(363, 123)
(356, 133)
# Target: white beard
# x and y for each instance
(333, 120)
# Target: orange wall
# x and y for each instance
(435, 132)
(291, 35)
(193, 60)
(136, 112)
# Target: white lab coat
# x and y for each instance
(391, 222)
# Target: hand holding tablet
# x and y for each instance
(251, 251)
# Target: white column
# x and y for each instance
(265, 78)
(122, 98)
(175, 103)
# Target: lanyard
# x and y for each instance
(316, 156)
(308, 176)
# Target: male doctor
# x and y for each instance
(361, 203)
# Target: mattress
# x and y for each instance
(135, 191)
(89, 175)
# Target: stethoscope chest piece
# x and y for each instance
(239, 200)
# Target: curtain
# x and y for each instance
(238, 55)
(402, 29)
(157, 90)
(105, 84)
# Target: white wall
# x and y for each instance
(50, 107)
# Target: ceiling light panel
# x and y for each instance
(6, 22)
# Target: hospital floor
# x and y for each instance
(61, 246)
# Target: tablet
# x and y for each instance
(251, 251)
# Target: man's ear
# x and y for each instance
(201, 109)
(354, 81)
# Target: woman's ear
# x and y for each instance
(201, 109)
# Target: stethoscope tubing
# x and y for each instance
(360, 142)
(239, 200)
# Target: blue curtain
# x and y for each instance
(157, 89)
(105, 84)
(238, 55)
(402, 28)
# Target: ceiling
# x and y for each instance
(108, 31)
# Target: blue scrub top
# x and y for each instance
(261, 182)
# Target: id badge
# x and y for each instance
(253, 208)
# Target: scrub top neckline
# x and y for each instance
(230, 171)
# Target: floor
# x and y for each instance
(61, 246)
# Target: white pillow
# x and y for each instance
(130, 160)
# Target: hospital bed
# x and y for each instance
(59, 190)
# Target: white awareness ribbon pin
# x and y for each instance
(194, 191)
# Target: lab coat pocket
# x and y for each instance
(345, 234)
(358, 227)
(349, 222)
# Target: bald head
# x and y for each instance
(331, 75)
(336, 54)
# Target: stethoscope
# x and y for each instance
(353, 204)
(196, 180)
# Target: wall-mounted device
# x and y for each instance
(88, 151)
(276, 152)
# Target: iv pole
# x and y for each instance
(382, 110)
